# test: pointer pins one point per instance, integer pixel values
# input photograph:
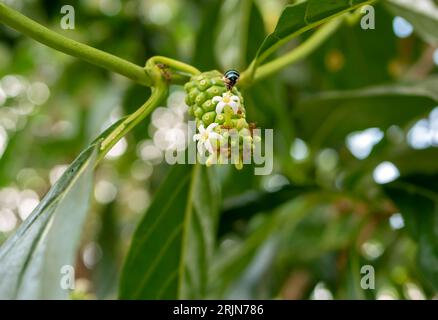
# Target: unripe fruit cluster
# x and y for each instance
(201, 89)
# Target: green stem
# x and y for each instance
(125, 125)
(310, 45)
(21, 23)
(175, 64)
(284, 40)
(295, 55)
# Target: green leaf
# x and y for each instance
(256, 31)
(300, 17)
(230, 265)
(224, 27)
(203, 57)
(106, 271)
(31, 260)
(360, 53)
(172, 247)
(422, 14)
(248, 204)
(416, 197)
(325, 119)
(232, 33)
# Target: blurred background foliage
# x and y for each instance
(355, 126)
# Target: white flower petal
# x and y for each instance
(208, 145)
(196, 137)
(235, 98)
(215, 136)
(201, 129)
(201, 147)
(216, 99)
(211, 127)
(220, 107)
(234, 106)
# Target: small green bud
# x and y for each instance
(208, 117)
(241, 124)
(200, 98)
(217, 81)
(220, 118)
(189, 86)
(192, 95)
(204, 84)
(187, 100)
(198, 112)
(208, 106)
(215, 91)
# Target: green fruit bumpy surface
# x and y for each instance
(200, 91)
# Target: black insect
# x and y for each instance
(230, 78)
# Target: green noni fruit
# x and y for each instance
(214, 106)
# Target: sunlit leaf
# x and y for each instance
(327, 118)
(33, 259)
(302, 16)
(203, 56)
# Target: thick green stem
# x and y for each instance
(23, 24)
(300, 52)
(295, 55)
(175, 64)
(125, 125)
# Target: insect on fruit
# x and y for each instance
(231, 77)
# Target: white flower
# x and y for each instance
(227, 99)
(205, 136)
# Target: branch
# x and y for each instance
(21, 23)
(119, 129)
(124, 125)
(295, 55)
(175, 64)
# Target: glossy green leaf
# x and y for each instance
(33, 258)
(256, 31)
(230, 265)
(302, 16)
(203, 56)
(416, 197)
(106, 272)
(327, 118)
(230, 45)
(422, 14)
(172, 247)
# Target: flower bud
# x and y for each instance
(208, 117)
